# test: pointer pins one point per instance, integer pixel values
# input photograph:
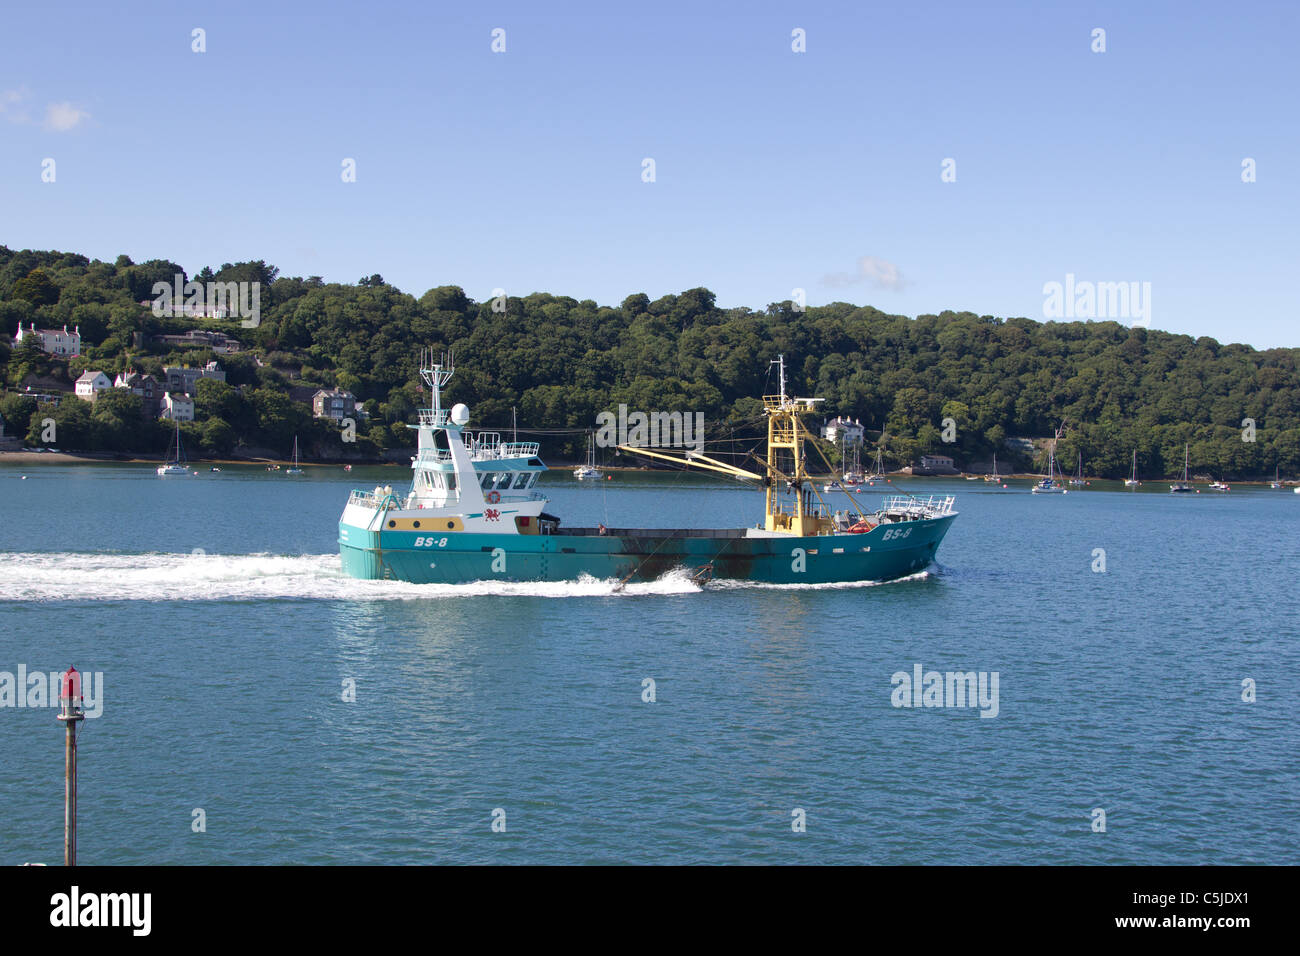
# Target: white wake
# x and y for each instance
(65, 576)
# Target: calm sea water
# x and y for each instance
(224, 674)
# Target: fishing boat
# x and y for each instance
(589, 470)
(1049, 485)
(1277, 479)
(1078, 480)
(294, 469)
(1132, 480)
(175, 465)
(1183, 487)
(1219, 486)
(473, 512)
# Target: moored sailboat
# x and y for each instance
(1049, 485)
(878, 468)
(994, 477)
(853, 464)
(294, 469)
(589, 470)
(1182, 487)
(175, 466)
(1132, 480)
(1078, 479)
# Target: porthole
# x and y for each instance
(451, 525)
(415, 524)
(392, 524)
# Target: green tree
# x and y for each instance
(37, 288)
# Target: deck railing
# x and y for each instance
(931, 507)
(487, 446)
(432, 456)
(376, 498)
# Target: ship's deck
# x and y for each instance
(653, 532)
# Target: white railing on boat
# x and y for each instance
(431, 456)
(523, 496)
(375, 499)
(519, 449)
(487, 446)
(931, 507)
(406, 500)
(434, 419)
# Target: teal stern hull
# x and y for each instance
(888, 551)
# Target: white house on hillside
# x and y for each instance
(63, 343)
(91, 384)
(843, 429)
(177, 407)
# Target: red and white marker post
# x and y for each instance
(71, 712)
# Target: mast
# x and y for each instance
(436, 374)
(785, 433)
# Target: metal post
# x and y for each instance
(70, 700)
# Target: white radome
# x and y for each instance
(460, 414)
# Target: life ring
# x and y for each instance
(493, 497)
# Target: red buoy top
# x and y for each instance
(70, 685)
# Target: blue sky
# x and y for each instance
(774, 170)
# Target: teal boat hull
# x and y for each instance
(888, 551)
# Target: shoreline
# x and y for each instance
(122, 458)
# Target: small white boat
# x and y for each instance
(589, 470)
(1277, 481)
(1078, 480)
(994, 477)
(1049, 485)
(294, 469)
(1132, 480)
(832, 486)
(1219, 486)
(1183, 487)
(853, 467)
(175, 466)
(878, 469)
